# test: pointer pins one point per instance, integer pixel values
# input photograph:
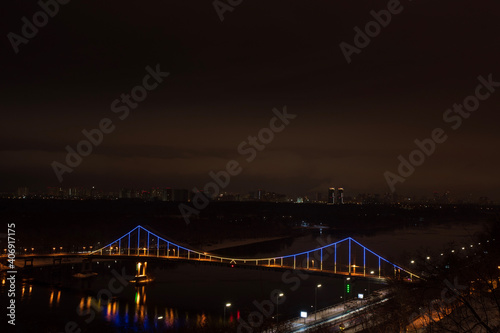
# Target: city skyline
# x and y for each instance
(165, 193)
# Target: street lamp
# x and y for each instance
(277, 308)
(316, 301)
(369, 283)
(226, 306)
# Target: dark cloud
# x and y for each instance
(226, 77)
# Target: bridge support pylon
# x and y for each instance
(87, 265)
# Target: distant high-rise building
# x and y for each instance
(172, 194)
(52, 191)
(180, 195)
(167, 194)
(74, 192)
(156, 193)
(340, 196)
(22, 191)
(331, 196)
(125, 193)
(484, 201)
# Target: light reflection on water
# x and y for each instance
(55, 297)
(177, 300)
(26, 290)
(137, 314)
(140, 317)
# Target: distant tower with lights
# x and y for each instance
(340, 196)
(331, 196)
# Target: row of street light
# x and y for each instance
(452, 251)
(55, 249)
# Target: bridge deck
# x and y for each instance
(211, 261)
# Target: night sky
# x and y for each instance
(353, 120)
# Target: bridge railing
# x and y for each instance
(346, 256)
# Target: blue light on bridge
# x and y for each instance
(189, 254)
